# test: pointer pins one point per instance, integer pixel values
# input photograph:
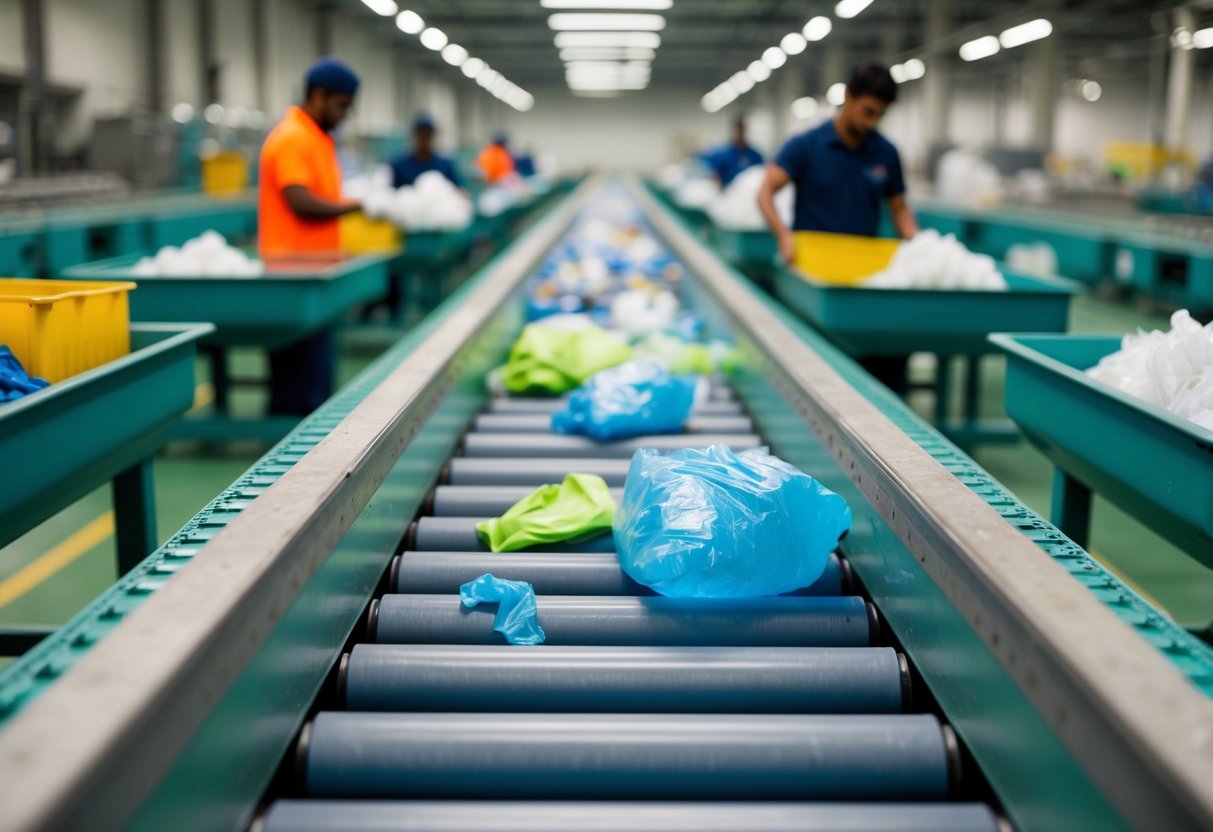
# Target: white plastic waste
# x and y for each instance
(207, 255)
(696, 193)
(1173, 369)
(932, 261)
(432, 203)
(964, 177)
(638, 312)
(736, 208)
(1032, 258)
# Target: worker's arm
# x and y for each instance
(308, 206)
(776, 179)
(903, 218)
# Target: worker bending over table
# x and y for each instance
(422, 157)
(728, 161)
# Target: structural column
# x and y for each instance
(1042, 80)
(1179, 83)
(207, 11)
(33, 155)
(938, 81)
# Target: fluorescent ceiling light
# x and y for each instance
(1202, 38)
(1025, 33)
(454, 54)
(433, 38)
(758, 71)
(607, 22)
(803, 108)
(640, 40)
(1090, 90)
(638, 5)
(774, 57)
(817, 28)
(1181, 38)
(473, 67)
(850, 8)
(793, 43)
(183, 112)
(837, 94)
(387, 8)
(914, 69)
(975, 50)
(409, 22)
(742, 82)
(487, 78)
(898, 71)
(608, 85)
(583, 53)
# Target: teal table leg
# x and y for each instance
(18, 640)
(972, 390)
(220, 380)
(134, 515)
(1071, 507)
(943, 388)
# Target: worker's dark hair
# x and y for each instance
(874, 80)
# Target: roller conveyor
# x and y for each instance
(532, 472)
(552, 446)
(541, 423)
(529, 405)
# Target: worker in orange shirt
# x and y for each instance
(495, 160)
(299, 202)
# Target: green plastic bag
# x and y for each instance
(579, 508)
(552, 361)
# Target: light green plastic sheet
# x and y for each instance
(579, 508)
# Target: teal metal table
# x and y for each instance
(752, 252)
(951, 324)
(19, 248)
(294, 299)
(235, 218)
(1154, 465)
(103, 425)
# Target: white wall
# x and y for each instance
(12, 49)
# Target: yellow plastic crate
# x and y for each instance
(224, 173)
(841, 259)
(58, 328)
(360, 235)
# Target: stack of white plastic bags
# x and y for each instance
(639, 312)
(736, 208)
(696, 192)
(965, 178)
(1173, 370)
(207, 255)
(432, 203)
(934, 261)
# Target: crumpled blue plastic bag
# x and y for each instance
(517, 614)
(638, 398)
(15, 382)
(717, 524)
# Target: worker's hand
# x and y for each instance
(787, 248)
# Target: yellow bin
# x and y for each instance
(225, 173)
(360, 235)
(58, 328)
(842, 259)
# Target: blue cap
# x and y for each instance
(499, 138)
(332, 74)
(424, 121)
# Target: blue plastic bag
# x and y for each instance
(15, 382)
(517, 614)
(719, 524)
(638, 398)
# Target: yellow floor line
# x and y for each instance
(204, 394)
(57, 558)
(1133, 585)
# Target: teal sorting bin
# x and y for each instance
(1083, 251)
(104, 424)
(942, 220)
(19, 248)
(1154, 465)
(744, 248)
(1170, 268)
(234, 218)
(74, 238)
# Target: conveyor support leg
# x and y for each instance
(1071, 507)
(134, 515)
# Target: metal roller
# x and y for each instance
(533, 405)
(638, 756)
(542, 423)
(484, 500)
(533, 472)
(631, 622)
(693, 680)
(548, 446)
(617, 816)
(550, 573)
(458, 534)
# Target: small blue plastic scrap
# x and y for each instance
(517, 614)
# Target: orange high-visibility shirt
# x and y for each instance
(297, 152)
(496, 162)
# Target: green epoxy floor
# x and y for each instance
(188, 476)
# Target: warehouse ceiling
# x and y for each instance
(705, 41)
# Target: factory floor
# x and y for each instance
(56, 569)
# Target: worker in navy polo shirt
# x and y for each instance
(843, 170)
(422, 157)
(728, 161)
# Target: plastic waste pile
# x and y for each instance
(432, 203)
(510, 191)
(207, 255)
(697, 192)
(1037, 258)
(736, 208)
(934, 261)
(965, 178)
(714, 523)
(638, 398)
(15, 382)
(1172, 370)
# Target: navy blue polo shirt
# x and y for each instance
(407, 167)
(730, 160)
(840, 188)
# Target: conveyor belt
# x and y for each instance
(632, 697)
